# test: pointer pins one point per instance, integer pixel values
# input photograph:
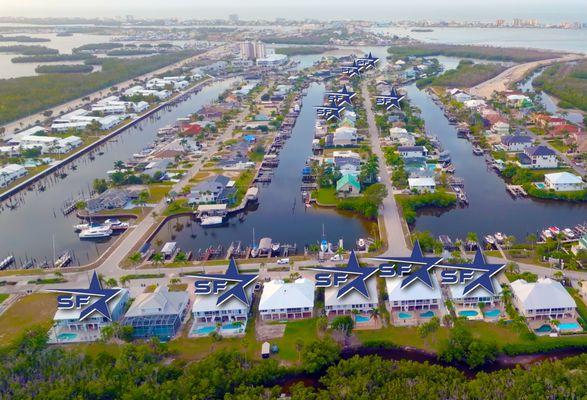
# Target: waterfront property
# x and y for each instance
(218, 189)
(408, 304)
(422, 184)
(538, 157)
(348, 186)
(158, 314)
(231, 315)
(543, 300)
(563, 182)
(282, 300)
(469, 305)
(67, 327)
(351, 301)
(516, 142)
(11, 172)
(111, 199)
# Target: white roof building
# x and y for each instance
(352, 300)
(479, 294)
(543, 299)
(160, 302)
(73, 314)
(564, 181)
(206, 310)
(281, 300)
(416, 296)
(422, 184)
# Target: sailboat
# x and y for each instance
(324, 242)
(254, 249)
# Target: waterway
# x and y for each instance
(281, 213)
(28, 231)
(491, 209)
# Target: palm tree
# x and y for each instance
(119, 165)
(375, 313)
(157, 259)
(299, 347)
(532, 239)
(135, 259)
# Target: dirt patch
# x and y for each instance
(266, 332)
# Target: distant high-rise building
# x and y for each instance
(252, 50)
(233, 17)
(500, 22)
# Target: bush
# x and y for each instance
(320, 354)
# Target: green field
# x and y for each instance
(23, 96)
(466, 74)
(32, 310)
(326, 196)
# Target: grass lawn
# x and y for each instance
(3, 297)
(559, 145)
(31, 310)
(157, 193)
(304, 329)
(326, 196)
(405, 336)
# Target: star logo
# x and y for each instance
(353, 268)
(485, 280)
(95, 290)
(231, 276)
(426, 264)
(341, 97)
(331, 111)
(367, 62)
(351, 70)
(392, 100)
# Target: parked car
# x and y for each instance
(283, 261)
(337, 257)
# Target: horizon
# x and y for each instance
(374, 10)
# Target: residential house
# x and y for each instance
(416, 296)
(563, 182)
(348, 186)
(544, 299)
(351, 301)
(538, 157)
(158, 314)
(476, 296)
(413, 151)
(67, 327)
(111, 199)
(345, 136)
(282, 301)
(219, 189)
(423, 184)
(516, 142)
(207, 312)
(11, 172)
(500, 128)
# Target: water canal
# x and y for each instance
(29, 231)
(491, 209)
(281, 213)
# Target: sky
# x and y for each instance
(486, 10)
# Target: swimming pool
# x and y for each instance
(405, 315)
(361, 319)
(232, 326)
(205, 330)
(540, 185)
(468, 313)
(544, 329)
(569, 326)
(492, 313)
(67, 336)
(427, 314)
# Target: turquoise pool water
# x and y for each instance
(492, 313)
(67, 336)
(568, 326)
(231, 326)
(205, 330)
(361, 319)
(468, 313)
(405, 315)
(540, 185)
(544, 329)
(427, 314)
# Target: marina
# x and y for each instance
(43, 206)
(279, 201)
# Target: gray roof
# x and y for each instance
(533, 151)
(160, 302)
(511, 139)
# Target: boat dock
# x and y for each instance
(516, 190)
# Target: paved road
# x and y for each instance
(111, 265)
(393, 222)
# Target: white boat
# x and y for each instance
(96, 232)
(81, 227)
(490, 239)
(500, 237)
(547, 234)
(116, 224)
(254, 252)
(554, 230)
(361, 243)
(275, 247)
(569, 233)
(211, 221)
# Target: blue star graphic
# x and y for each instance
(426, 264)
(367, 62)
(95, 290)
(353, 268)
(343, 96)
(485, 280)
(232, 276)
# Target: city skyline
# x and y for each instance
(567, 10)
